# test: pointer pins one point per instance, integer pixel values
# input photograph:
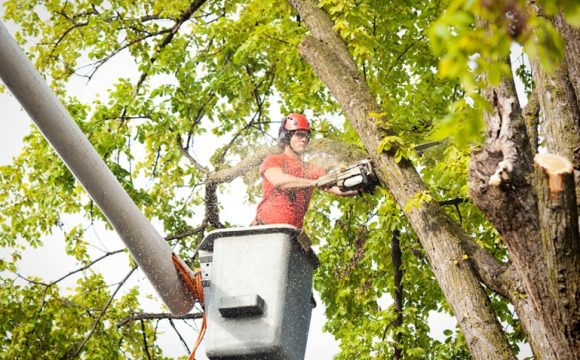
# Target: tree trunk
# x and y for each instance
(560, 99)
(332, 62)
(571, 37)
(559, 110)
(561, 243)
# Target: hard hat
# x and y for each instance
(296, 122)
(290, 124)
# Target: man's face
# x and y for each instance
(299, 141)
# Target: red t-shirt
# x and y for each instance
(285, 206)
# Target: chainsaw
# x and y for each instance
(359, 176)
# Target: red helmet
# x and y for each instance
(296, 122)
(290, 124)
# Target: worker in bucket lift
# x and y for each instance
(287, 180)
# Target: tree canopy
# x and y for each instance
(378, 79)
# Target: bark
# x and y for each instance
(571, 37)
(212, 209)
(559, 98)
(559, 111)
(396, 256)
(332, 62)
(532, 119)
(560, 239)
(505, 281)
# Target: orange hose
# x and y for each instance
(194, 284)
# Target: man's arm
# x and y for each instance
(284, 181)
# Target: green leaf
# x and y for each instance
(572, 12)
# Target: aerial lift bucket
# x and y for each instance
(258, 292)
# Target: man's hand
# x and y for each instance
(336, 191)
(340, 167)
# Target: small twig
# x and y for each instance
(398, 59)
(146, 347)
(85, 267)
(179, 335)
(158, 316)
(66, 32)
(422, 147)
(52, 283)
(97, 64)
(256, 117)
(188, 233)
(194, 162)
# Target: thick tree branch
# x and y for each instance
(212, 212)
(188, 233)
(559, 98)
(491, 272)
(396, 256)
(571, 37)
(560, 111)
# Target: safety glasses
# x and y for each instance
(302, 135)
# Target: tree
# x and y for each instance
(479, 228)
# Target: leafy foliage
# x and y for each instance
(41, 322)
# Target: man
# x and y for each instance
(288, 181)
